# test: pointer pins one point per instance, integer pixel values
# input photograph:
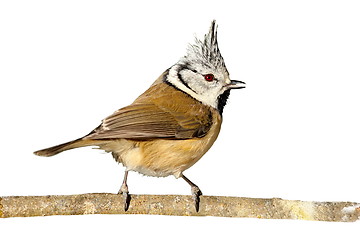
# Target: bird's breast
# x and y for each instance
(164, 157)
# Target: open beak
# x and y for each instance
(234, 84)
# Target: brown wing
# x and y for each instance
(154, 118)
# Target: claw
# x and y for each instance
(125, 192)
(127, 198)
(195, 191)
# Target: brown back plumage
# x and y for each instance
(149, 117)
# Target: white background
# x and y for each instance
(293, 133)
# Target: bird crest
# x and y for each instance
(206, 52)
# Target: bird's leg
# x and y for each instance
(125, 192)
(195, 191)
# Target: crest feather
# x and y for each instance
(206, 52)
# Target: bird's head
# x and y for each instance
(202, 73)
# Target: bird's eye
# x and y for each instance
(209, 77)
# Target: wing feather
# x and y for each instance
(153, 119)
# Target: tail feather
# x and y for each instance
(48, 152)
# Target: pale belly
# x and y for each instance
(161, 158)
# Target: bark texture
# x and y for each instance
(178, 205)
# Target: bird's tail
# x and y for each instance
(48, 152)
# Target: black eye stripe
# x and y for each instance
(182, 80)
(194, 71)
(182, 68)
(187, 67)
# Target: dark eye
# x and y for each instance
(209, 77)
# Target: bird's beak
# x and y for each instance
(234, 84)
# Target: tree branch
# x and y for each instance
(178, 205)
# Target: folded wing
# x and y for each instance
(148, 121)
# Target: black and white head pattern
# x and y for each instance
(202, 73)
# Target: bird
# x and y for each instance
(170, 126)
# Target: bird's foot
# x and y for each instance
(196, 193)
(126, 196)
